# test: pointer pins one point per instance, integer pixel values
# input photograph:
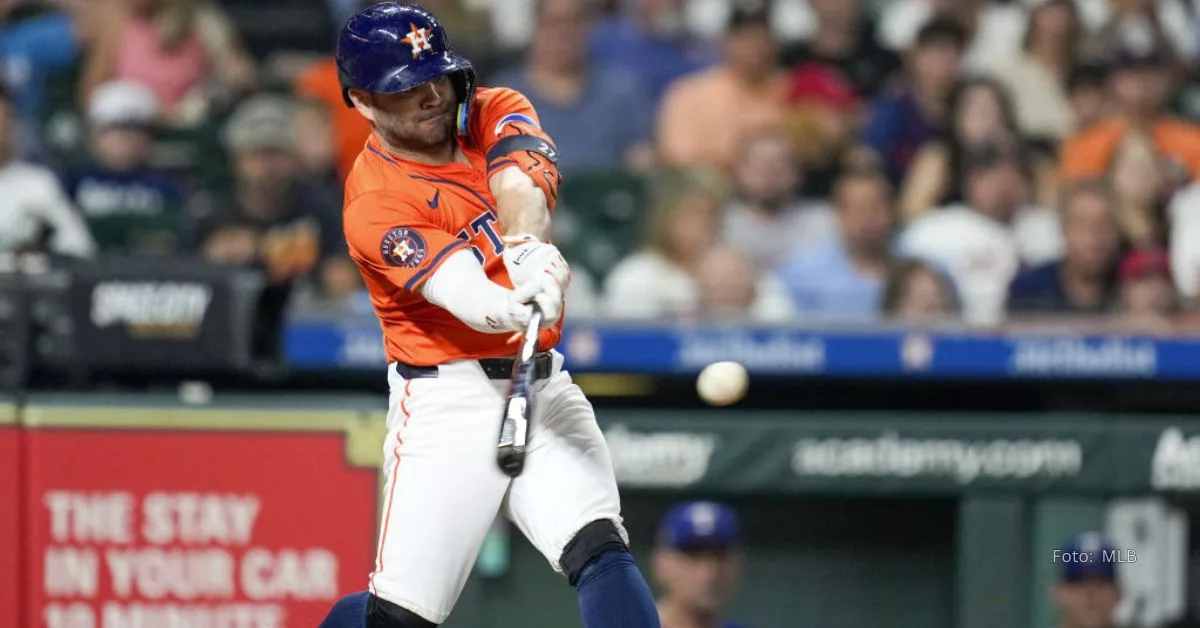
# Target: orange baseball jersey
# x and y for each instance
(403, 219)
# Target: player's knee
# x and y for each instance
(592, 541)
(384, 614)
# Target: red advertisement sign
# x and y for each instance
(153, 529)
(10, 525)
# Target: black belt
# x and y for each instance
(493, 368)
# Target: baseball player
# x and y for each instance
(447, 213)
(697, 564)
(1088, 591)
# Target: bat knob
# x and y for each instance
(511, 460)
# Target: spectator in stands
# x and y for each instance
(706, 116)
(1148, 300)
(904, 119)
(1087, 95)
(982, 243)
(732, 290)
(843, 40)
(315, 143)
(35, 51)
(1184, 216)
(36, 215)
(1171, 24)
(842, 278)
(662, 281)
(1088, 591)
(1036, 78)
(825, 115)
(697, 564)
(900, 20)
(272, 220)
(600, 119)
(1144, 180)
(767, 220)
(1139, 81)
(980, 114)
(916, 293)
(1083, 281)
(176, 47)
(648, 40)
(131, 207)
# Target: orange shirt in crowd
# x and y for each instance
(403, 219)
(704, 117)
(1088, 153)
(350, 129)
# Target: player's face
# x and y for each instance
(419, 119)
(701, 579)
(1088, 604)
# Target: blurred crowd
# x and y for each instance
(851, 161)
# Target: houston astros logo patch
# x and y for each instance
(403, 248)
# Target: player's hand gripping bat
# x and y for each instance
(518, 403)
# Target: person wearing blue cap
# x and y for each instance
(1088, 591)
(697, 564)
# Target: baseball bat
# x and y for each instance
(518, 403)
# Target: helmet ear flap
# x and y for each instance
(464, 89)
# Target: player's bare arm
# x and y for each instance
(522, 163)
(521, 205)
(524, 180)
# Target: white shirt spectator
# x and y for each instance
(981, 255)
(582, 302)
(1042, 107)
(998, 31)
(768, 241)
(1184, 213)
(31, 202)
(645, 286)
(900, 22)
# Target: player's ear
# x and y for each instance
(362, 102)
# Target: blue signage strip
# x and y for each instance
(358, 345)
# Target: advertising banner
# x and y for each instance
(893, 453)
(176, 519)
(10, 524)
(169, 314)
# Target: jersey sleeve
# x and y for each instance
(396, 240)
(508, 131)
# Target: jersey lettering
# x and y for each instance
(484, 223)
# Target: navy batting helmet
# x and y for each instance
(392, 47)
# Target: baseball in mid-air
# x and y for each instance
(722, 383)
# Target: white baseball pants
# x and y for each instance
(444, 489)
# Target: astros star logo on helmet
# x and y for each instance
(418, 38)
